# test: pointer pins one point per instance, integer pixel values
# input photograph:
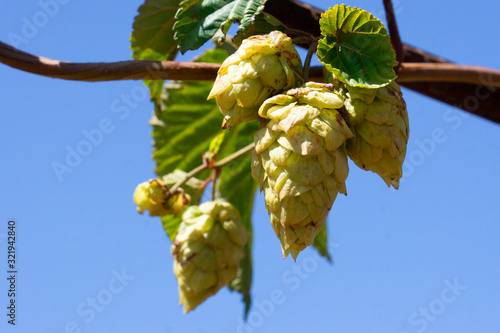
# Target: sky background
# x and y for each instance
(420, 259)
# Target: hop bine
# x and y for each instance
(300, 161)
(207, 250)
(262, 66)
(379, 121)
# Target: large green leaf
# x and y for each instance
(321, 243)
(200, 20)
(153, 36)
(356, 47)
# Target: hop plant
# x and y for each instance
(262, 66)
(300, 161)
(153, 195)
(206, 250)
(379, 121)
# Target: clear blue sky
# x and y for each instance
(421, 259)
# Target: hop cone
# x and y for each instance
(300, 162)
(261, 67)
(207, 249)
(379, 121)
(154, 196)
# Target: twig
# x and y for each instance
(123, 70)
(445, 72)
(397, 44)
(205, 166)
(214, 184)
(307, 63)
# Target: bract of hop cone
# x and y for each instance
(300, 161)
(379, 121)
(207, 250)
(262, 66)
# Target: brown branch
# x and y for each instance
(396, 42)
(200, 71)
(446, 72)
(123, 70)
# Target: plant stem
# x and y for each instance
(307, 62)
(301, 40)
(219, 164)
(397, 44)
(214, 185)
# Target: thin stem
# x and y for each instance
(307, 63)
(214, 184)
(234, 156)
(219, 164)
(188, 176)
(397, 44)
(301, 40)
(298, 32)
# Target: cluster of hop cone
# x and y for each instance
(300, 158)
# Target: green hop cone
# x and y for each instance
(300, 161)
(379, 121)
(207, 250)
(262, 66)
(153, 195)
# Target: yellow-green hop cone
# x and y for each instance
(379, 120)
(153, 195)
(207, 250)
(300, 162)
(262, 66)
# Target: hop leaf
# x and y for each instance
(356, 47)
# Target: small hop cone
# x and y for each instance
(153, 195)
(207, 250)
(300, 162)
(262, 66)
(379, 121)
